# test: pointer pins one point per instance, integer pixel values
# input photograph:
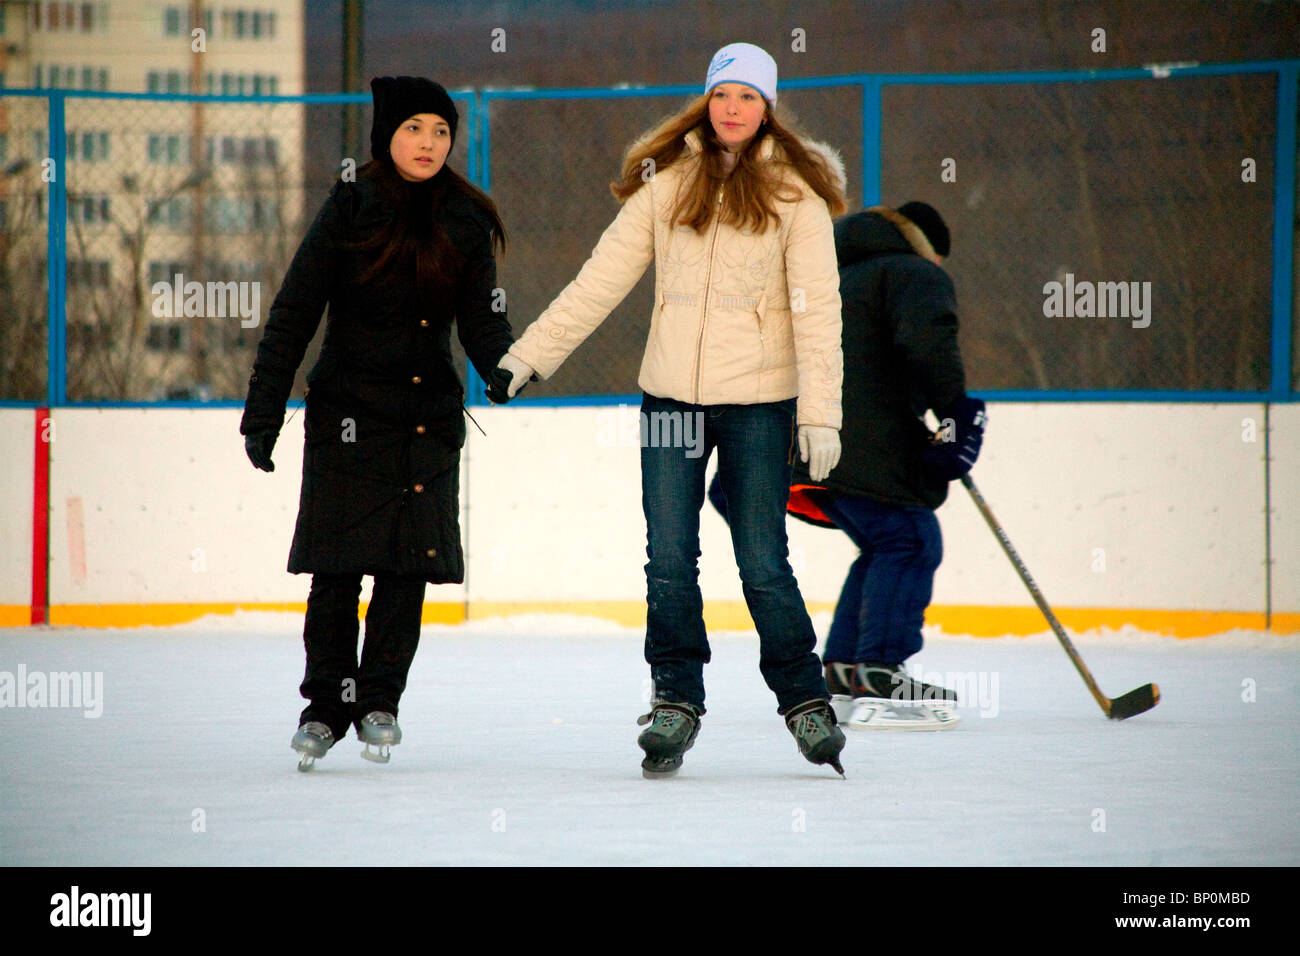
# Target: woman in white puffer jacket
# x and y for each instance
(744, 349)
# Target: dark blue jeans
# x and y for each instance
(883, 601)
(756, 449)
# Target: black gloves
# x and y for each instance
(259, 446)
(957, 443)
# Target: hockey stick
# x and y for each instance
(1135, 701)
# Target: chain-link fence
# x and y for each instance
(1115, 237)
(1089, 183)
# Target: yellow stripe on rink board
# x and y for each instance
(997, 621)
(15, 615)
(161, 615)
(980, 621)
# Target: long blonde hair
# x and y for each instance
(749, 191)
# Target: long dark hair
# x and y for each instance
(414, 237)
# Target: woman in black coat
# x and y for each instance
(399, 255)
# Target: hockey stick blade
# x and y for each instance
(1134, 702)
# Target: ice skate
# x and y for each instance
(312, 740)
(813, 725)
(839, 682)
(379, 730)
(672, 731)
(887, 698)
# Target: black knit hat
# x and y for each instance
(929, 221)
(398, 98)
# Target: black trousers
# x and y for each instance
(341, 692)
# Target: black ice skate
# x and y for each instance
(672, 731)
(891, 682)
(887, 698)
(379, 729)
(813, 725)
(312, 740)
(839, 682)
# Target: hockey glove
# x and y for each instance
(819, 448)
(508, 379)
(259, 446)
(957, 443)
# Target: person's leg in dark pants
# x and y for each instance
(672, 493)
(842, 641)
(392, 636)
(755, 463)
(330, 638)
(905, 548)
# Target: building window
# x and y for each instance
(88, 146)
(87, 272)
(160, 271)
(151, 81)
(88, 210)
(165, 336)
(172, 22)
(172, 213)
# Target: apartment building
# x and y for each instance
(157, 187)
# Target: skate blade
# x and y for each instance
(660, 769)
(881, 715)
(382, 755)
(306, 763)
(842, 705)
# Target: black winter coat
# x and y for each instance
(900, 358)
(384, 417)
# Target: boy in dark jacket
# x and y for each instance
(901, 358)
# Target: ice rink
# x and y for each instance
(520, 748)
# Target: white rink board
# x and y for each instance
(1285, 493)
(1167, 501)
(1170, 493)
(173, 511)
(17, 438)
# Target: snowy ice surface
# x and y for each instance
(520, 748)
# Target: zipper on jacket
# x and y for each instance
(708, 275)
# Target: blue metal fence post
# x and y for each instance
(56, 251)
(475, 390)
(1280, 385)
(872, 110)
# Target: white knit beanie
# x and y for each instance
(743, 63)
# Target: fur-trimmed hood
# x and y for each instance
(769, 149)
(879, 230)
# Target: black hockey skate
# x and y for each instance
(312, 740)
(891, 682)
(672, 731)
(813, 725)
(840, 684)
(379, 729)
(886, 697)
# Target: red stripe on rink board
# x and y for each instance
(41, 519)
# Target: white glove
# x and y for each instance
(819, 447)
(520, 372)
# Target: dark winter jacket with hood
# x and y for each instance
(384, 410)
(901, 357)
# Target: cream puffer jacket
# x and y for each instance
(739, 318)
